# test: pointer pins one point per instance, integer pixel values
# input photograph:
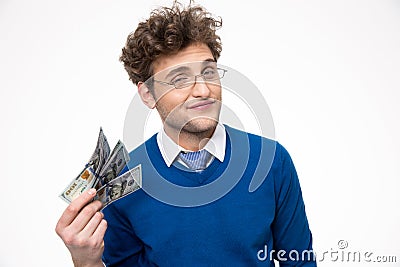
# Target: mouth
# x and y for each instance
(202, 104)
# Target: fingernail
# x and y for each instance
(92, 191)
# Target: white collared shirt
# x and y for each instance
(215, 146)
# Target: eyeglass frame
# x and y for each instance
(191, 83)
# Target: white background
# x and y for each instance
(329, 71)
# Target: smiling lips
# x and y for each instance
(201, 105)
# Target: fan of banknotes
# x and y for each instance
(101, 172)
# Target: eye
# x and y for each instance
(210, 73)
(181, 78)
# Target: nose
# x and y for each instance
(200, 88)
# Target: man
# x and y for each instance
(172, 57)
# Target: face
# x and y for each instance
(115, 191)
(195, 108)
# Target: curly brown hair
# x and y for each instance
(167, 31)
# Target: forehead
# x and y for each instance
(191, 53)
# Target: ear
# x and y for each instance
(146, 95)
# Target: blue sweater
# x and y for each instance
(238, 228)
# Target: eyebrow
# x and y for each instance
(186, 68)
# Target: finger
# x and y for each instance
(85, 215)
(92, 225)
(75, 207)
(100, 231)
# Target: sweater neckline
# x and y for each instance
(185, 177)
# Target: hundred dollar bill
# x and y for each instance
(87, 177)
(101, 153)
(117, 161)
(121, 186)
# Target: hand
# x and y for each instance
(82, 229)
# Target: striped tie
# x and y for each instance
(196, 160)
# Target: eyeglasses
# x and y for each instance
(184, 80)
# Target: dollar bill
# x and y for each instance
(79, 184)
(88, 176)
(101, 153)
(117, 161)
(121, 186)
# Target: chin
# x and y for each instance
(200, 125)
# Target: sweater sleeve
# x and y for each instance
(122, 247)
(291, 233)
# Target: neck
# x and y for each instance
(190, 140)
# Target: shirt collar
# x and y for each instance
(170, 150)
